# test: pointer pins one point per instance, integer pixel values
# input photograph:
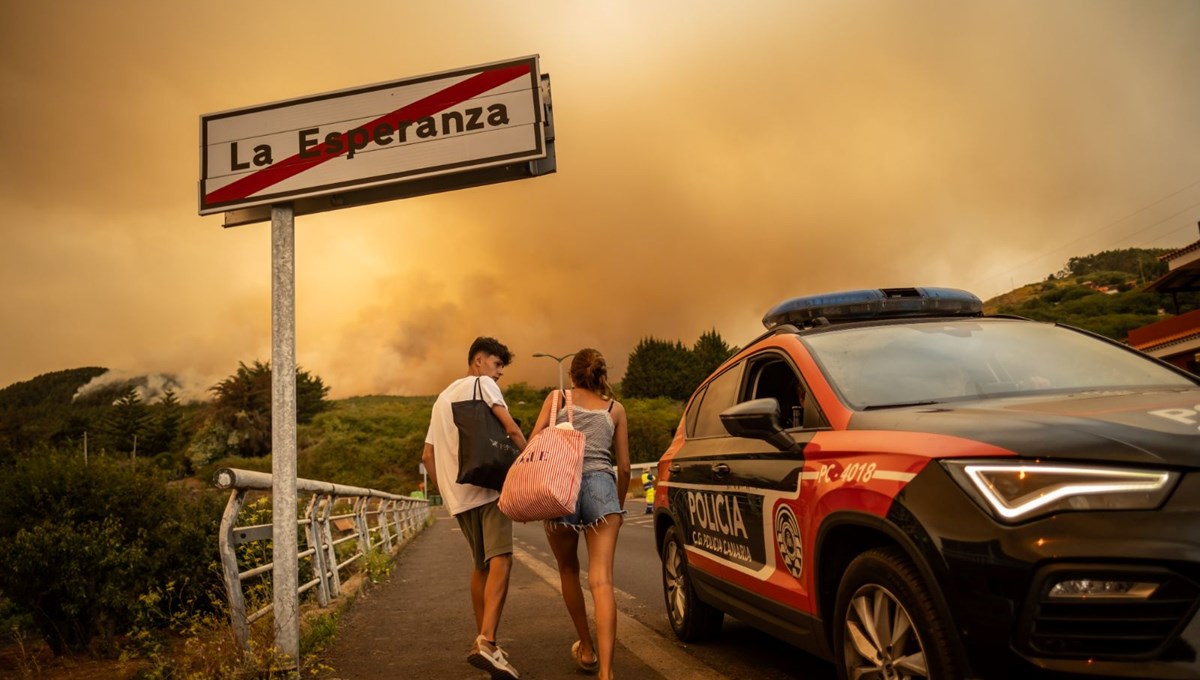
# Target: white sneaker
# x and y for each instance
(489, 657)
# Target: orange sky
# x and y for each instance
(714, 158)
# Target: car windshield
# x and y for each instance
(925, 362)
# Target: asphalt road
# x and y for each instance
(740, 652)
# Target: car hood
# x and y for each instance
(1148, 427)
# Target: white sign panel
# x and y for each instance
(379, 134)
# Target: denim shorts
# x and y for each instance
(597, 500)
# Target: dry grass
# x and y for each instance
(1012, 297)
(26, 658)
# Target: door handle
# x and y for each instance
(674, 467)
(720, 470)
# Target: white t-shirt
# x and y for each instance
(443, 435)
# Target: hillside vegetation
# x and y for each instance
(376, 442)
(373, 441)
(43, 411)
(1102, 293)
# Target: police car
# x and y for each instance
(893, 481)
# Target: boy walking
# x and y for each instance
(487, 530)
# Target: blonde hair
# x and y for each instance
(589, 370)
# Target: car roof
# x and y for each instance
(789, 329)
(872, 303)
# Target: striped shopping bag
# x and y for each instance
(543, 482)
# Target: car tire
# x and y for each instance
(909, 641)
(691, 618)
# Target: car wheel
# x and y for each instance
(690, 618)
(886, 626)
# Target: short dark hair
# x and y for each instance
(490, 346)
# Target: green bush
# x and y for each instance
(13, 619)
(82, 543)
(1078, 293)
(373, 442)
(652, 425)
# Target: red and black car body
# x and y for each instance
(820, 488)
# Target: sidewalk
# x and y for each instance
(419, 624)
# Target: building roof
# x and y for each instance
(1169, 331)
(1181, 280)
(1182, 251)
(1159, 343)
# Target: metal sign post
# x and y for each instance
(283, 434)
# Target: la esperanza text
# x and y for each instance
(380, 132)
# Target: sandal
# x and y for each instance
(577, 654)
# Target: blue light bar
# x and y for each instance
(873, 303)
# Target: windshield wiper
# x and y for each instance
(875, 407)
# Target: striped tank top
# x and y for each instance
(597, 428)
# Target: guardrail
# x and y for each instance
(389, 524)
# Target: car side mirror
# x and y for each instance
(757, 419)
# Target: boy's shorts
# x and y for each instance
(488, 532)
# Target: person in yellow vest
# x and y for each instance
(648, 487)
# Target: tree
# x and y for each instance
(310, 396)
(659, 368)
(167, 420)
(709, 352)
(1143, 262)
(243, 405)
(126, 422)
(165, 434)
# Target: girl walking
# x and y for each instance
(598, 512)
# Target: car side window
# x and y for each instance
(772, 377)
(721, 393)
(692, 414)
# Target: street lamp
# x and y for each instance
(559, 360)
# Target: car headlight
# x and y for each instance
(1015, 491)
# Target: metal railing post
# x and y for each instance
(381, 518)
(229, 567)
(364, 527)
(313, 536)
(398, 520)
(335, 579)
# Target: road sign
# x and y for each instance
(400, 131)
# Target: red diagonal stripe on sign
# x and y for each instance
(427, 106)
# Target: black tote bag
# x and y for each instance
(484, 450)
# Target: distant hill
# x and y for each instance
(1103, 293)
(42, 410)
